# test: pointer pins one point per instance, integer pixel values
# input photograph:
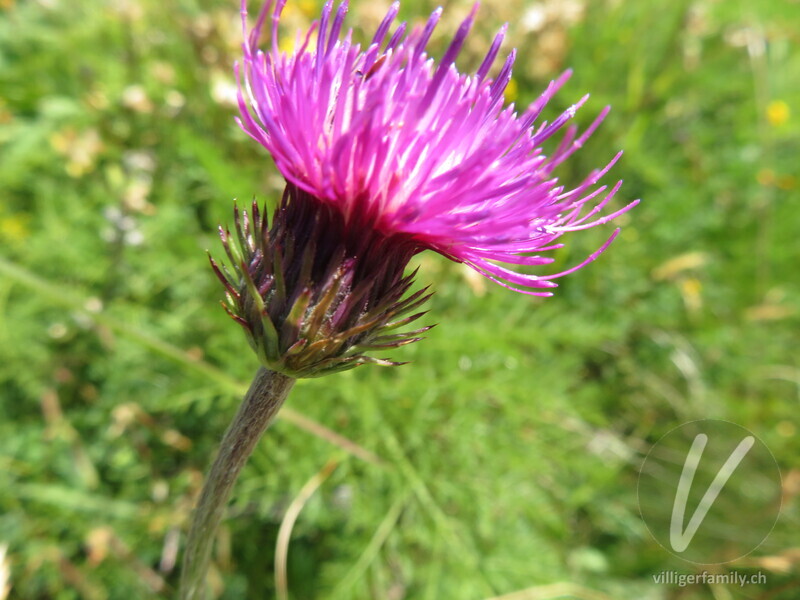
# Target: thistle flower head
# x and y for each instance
(386, 154)
(398, 145)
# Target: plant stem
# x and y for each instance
(262, 402)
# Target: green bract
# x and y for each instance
(313, 294)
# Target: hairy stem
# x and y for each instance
(262, 402)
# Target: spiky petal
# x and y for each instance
(385, 136)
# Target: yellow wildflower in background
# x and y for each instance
(80, 149)
(14, 228)
(778, 113)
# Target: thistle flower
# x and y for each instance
(401, 146)
(385, 154)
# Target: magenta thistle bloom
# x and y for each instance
(401, 145)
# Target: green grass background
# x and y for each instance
(509, 449)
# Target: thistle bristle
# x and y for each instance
(229, 286)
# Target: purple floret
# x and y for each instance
(401, 145)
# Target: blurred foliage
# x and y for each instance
(510, 447)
